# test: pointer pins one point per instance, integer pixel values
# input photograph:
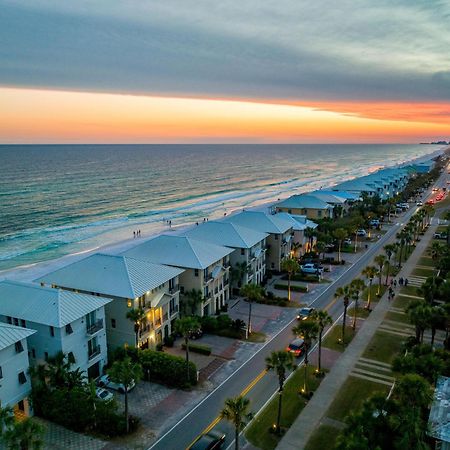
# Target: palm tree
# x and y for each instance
(307, 330)
(57, 370)
(280, 362)
(185, 326)
(344, 292)
(380, 260)
(357, 285)
(6, 419)
(295, 247)
(401, 242)
(340, 234)
(237, 273)
(137, 316)
(310, 233)
(320, 248)
(26, 434)
(389, 249)
(323, 319)
(236, 411)
(437, 318)
(291, 267)
(419, 314)
(125, 372)
(194, 298)
(370, 272)
(254, 293)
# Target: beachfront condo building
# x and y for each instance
(149, 289)
(64, 322)
(15, 382)
(306, 205)
(279, 232)
(206, 270)
(301, 241)
(248, 258)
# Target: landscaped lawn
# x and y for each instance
(425, 262)
(259, 432)
(352, 395)
(397, 317)
(324, 437)
(360, 312)
(373, 292)
(383, 347)
(409, 290)
(401, 302)
(419, 272)
(332, 339)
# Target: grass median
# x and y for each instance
(333, 340)
(260, 433)
(323, 437)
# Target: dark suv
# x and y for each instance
(212, 440)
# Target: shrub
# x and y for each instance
(224, 321)
(167, 369)
(169, 341)
(283, 287)
(270, 295)
(198, 348)
(208, 324)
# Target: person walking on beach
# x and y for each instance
(134, 234)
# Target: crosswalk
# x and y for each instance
(416, 281)
(372, 370)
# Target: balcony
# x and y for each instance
(94, 327)
(226, 281)
(94, 352)
(158, 322)
(173, 310)
(165, 317)
(173, 290)
(226, 265)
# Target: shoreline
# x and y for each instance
(29, 272)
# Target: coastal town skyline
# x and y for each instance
(184, 73)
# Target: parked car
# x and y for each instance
(312, 269)
(440, 235)
(103, 394)
(212, 440)
(304, 313)
(374, 223)
(105, 381)
(361, 233)
(296, 347)
(347, 241)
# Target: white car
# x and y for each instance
(105, 381)
(103, 394)
(419, 204)
(311, 268)
(361, 233)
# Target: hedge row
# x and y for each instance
(167, 369)
(198, 348)
(284, 287)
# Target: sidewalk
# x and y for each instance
(311, 416)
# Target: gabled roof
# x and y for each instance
(354, 185)
(118, 276)
(260, 221)
(304, 201)
(328, 197)
(47, 306)
(226, 233)
(304, 221)
(180, 251)
(342, 194)
(10, 334)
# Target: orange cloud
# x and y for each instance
(42, 116)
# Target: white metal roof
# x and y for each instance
(53, 307)
(10, 334)
(228, 234)
(112, 275)
(304, 201)
(179, 251)
(260, 221)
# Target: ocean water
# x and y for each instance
(63, 199)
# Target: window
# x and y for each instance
(19, 347)
(113, 323)
(242, 251)
(196, 272)
(69, 329)
(71, 358)
(319, 213)
(46, 356)
(1, 372)
(23, 323)
(33, 353)
(9, 319)
(16, 321)
(276, 237)
(22, 378)
(181, 289)
(52, 332)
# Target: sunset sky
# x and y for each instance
(203, 71)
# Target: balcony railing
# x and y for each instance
(94, 352)
(158, 322)
(94, 327)
(165, 317)
(173, 290)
